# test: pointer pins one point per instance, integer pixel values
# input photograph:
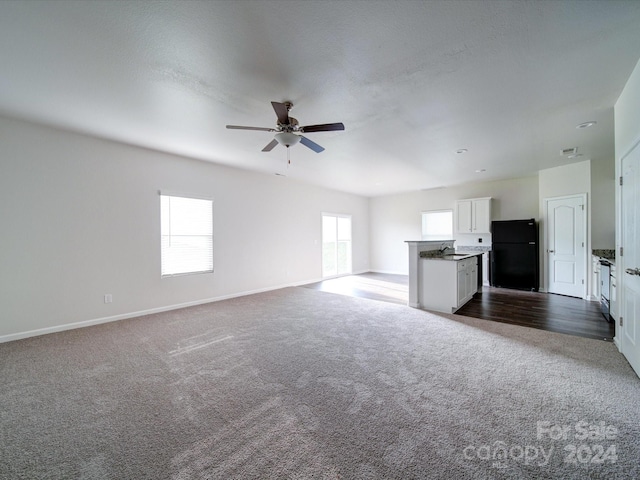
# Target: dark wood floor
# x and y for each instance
(555, 313)
(546, 311)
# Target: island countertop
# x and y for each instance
(452, 256)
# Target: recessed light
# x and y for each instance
(462, 150)
(586, 124)
(481, 170)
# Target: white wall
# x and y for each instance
(397, 218)
(627, 115)
(564, 180)
(603, 225)
(80, 218)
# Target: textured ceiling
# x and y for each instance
(412, 81)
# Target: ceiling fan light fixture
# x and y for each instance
(287, 138)
(289, 132)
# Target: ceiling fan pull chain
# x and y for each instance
(288, 157)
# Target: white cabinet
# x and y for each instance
(473, 277)
(473, 215)
(461, 286)
(467, 280)
(485, 269)
(481, 215)
(463, 221)
(613, 301)
(595, 279)
(446, 285)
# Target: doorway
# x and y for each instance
(336, 245)
(566, 249)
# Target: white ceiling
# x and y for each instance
(413, 81)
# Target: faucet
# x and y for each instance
(443, 248)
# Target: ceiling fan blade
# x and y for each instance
(240, 127)
(281, 112)
(270, 145)
(312, 145)
(325, 127)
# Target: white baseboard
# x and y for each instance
(97, 321)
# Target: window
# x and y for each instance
(437, 225)
(336, 245)
(186, 235)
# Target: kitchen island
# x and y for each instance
(449, 281)
(440, 278)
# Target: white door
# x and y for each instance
(566, 245)
(629, 270)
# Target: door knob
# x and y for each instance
(633, 271)
(550, 251)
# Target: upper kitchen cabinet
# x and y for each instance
(473, 215)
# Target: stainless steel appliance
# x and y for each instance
(605, 290)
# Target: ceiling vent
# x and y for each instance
(569, 151)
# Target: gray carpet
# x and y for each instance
(298, 383)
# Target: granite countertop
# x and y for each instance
(473, 248)
(449, 256)
(609, 254)
(460, 253)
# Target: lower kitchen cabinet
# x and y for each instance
(595, 282)
(446, 285)
(613, 301)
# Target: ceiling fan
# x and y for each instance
(288, 130)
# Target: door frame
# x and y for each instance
(587, 247)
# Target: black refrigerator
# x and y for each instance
(514, 254)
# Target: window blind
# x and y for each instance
(186, 235)
(437, 225)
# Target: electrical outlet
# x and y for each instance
(108, 298)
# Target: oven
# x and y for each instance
(605, 290)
